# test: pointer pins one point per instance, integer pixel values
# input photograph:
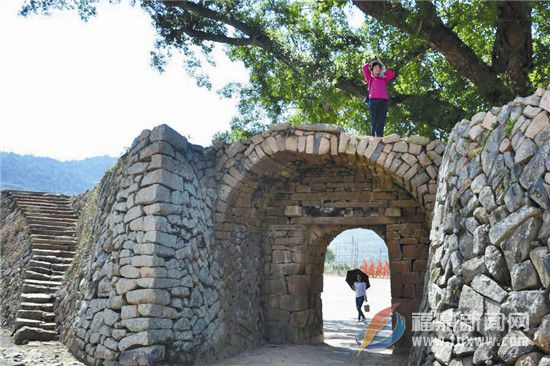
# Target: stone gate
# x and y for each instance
(203, 252)
(290, 192)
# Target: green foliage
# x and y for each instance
(330, 256)
(86, 234)
(508, 126)
(304, 59)
(484, 137)
(336, 268)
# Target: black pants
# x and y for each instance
(378, 110)
(358, 305)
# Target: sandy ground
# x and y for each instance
(340, 331)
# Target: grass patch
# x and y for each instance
(85, 228)
(508, 126)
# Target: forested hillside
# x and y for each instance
(33, 173)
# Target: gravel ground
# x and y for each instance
(34, 353)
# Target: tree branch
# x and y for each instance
(218, 37)
(513, 46)
(255, 35)
(258, 38)
(426, 25)
(211, 14)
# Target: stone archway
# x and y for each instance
(285, 194)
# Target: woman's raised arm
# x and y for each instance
(388, 75)
(366, 72)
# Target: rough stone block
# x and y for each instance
(148, 296)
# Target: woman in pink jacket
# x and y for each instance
(377, 77)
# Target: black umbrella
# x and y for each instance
(351, 277)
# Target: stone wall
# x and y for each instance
(15, 252)
(149, 291)
(490, 239)
(191, 254)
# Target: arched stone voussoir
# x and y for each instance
(412, 162)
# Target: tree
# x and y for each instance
(371, 271)
(452, 58)
(329, 256)
(379, 269)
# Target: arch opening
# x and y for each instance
(285, 213)
(363, 249)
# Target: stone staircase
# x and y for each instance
(52, 224)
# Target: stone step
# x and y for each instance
(61, 267)
(35, 206)
(21, 322)
(53, 220)
(18, 193)
(43, 283)
(43, 244)
(52, 259)
(43, 203)
(41, 276)
(56, 253)
(58, 215)
(37, 298)
(50, 197)
(62, 247)
(50, 215)
(47, 269)
(41, 207)
(47, 307)
(48, 211)
(27, 333)
(23, 198)
(36, 315)
(51, 231)
(52, 224)
(51, 227)
(53, 240)
(35, 289)
(41, 213)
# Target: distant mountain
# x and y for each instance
(34, 173)
(369, 247)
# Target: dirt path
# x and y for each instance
(34, 353)
(272, 355)
(340, 331)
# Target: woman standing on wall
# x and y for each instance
(377, 78)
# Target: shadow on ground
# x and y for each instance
(340, 348)
(323, 354)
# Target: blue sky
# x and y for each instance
(72, 89)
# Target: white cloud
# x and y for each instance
(71, 89)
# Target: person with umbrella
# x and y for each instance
(360, 286)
